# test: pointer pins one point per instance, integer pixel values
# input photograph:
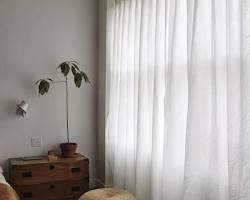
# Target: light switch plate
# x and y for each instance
(36, 141)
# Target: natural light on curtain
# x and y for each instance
(178, 99)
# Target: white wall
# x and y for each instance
(35, 36)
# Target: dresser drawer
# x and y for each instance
(53, 190)
(47, 172)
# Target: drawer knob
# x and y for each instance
(27, 194)
(26, 174)
(75, 188)
(51, 187)
(75, 169)
(51, 167)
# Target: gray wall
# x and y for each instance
(101, 90)
(35, 36)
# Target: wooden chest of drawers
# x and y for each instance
(65, 178)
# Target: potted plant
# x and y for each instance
(68, 149)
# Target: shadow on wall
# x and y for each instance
(8, 113)
(8, 106)
(12, 93)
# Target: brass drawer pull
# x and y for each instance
(75, 188)
(75, 169)
(27, 194)
(26, 174)
(51, 167)
(51, 187)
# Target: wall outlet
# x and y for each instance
(36, 141)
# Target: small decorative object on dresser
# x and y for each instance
(52, 156)
(64, 178)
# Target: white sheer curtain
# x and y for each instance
(178, 99)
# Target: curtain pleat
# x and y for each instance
(177, 105)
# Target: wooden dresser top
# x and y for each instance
(20, 162)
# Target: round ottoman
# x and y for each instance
(107, 194)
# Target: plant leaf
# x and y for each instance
(43, 87)
(76, 66)
(73, 61)
(73, 70)
(38, 81)
(64, 68)
(78, 79)
(86, 78)
(43, 79)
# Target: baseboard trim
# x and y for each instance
(108, 186)
(95, 183)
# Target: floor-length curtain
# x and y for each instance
(178, 99)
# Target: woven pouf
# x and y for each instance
(107, 194)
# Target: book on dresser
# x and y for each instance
(62, 179)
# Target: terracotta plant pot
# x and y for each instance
(68, 150)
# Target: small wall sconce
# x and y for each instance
(22, 108)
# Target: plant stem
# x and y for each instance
(67, 108)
